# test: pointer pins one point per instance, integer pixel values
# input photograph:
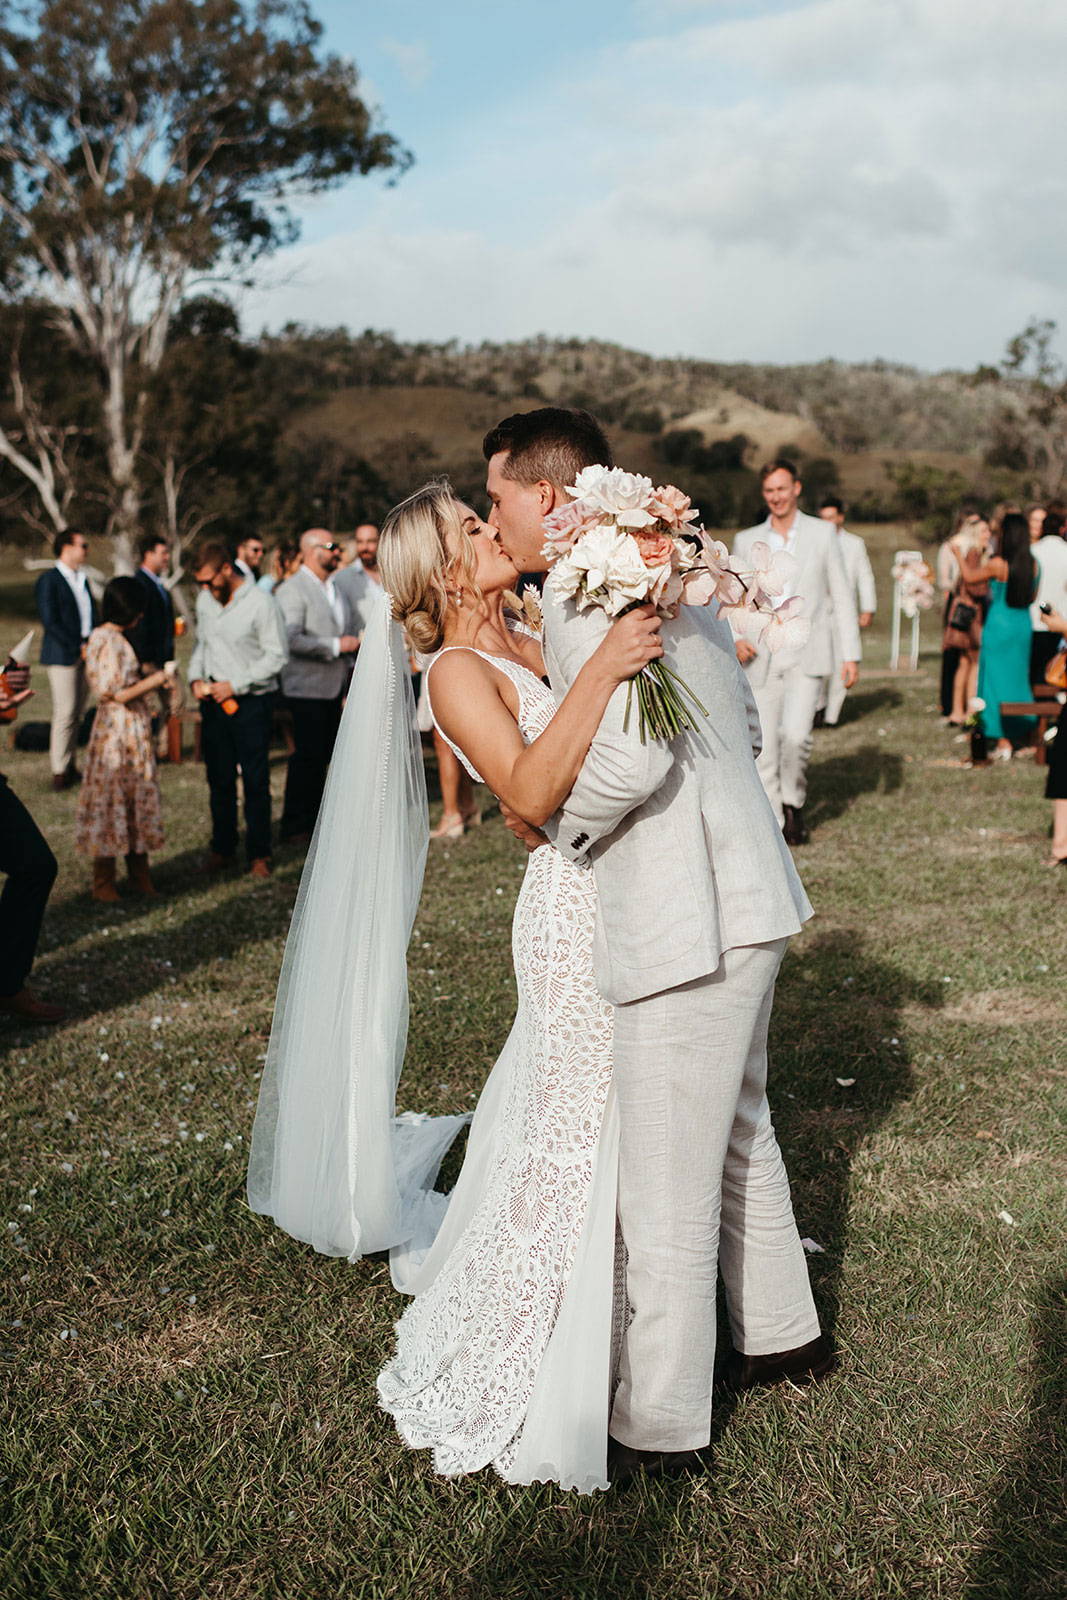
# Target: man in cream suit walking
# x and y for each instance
(786, 686)
(860, 575)
(697, 899)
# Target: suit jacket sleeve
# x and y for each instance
(58, 619)
(293, 604)
(844, 621)
(865, 581)
(619, 773)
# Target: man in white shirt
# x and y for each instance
(239, 653)
(360, 580)
(861, 581)
(1050, 553)
(786, 685)
(322, 639)
(66, 608)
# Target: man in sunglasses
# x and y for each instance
(322, 638)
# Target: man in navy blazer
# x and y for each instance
(68, 613)
(152, 637)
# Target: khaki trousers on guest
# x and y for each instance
(70, 696)
(786, 702)
(702, 1186)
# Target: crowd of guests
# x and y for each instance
(1004, 583)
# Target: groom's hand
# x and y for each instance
(532, 838)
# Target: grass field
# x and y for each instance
(190, 1401)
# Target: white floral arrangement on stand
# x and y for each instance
(622, 542)
(915, 581)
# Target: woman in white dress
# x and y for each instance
(505, 1355)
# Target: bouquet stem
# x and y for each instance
(662, 706)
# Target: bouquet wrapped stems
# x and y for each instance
(661, 703)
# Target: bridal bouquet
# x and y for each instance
(621, 542)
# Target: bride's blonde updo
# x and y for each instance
(418, 570)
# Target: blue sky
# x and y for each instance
(766, 181)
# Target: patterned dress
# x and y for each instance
(472, 1346)
(119, 807)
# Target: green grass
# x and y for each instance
(208, 1429)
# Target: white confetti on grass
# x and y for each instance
(1006, 1216)
(812, 1248)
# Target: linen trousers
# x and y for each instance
(702, 1185)
(70, 696)
(786, 702)
(832, 697)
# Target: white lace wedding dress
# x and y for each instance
(505, 1356)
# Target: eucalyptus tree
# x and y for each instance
(146, 146)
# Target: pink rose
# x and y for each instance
(568, 522)
(656, 548)
(672, 506)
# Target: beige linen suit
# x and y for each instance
(786, 686)
(860, 577)
(697, 897)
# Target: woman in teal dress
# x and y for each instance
(1004, 662)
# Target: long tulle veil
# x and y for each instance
(330, 1160)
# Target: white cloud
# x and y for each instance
(848, 177)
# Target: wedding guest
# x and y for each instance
(249, 553)
(152, 637)
(66, 608)
(1004, 658)
(30, 869)
(1050, 553)
(359, 580)
(786, 686)
(234, 672)
(948, 575)
(119, 808)
(861, 582)
(1035, 518)
(965, 611)
(459, 810)
(1056, 778)
(322, 643)
(284, 561)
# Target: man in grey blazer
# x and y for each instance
(322, 644)
(786, 686)
(697, 899)
(860, 575)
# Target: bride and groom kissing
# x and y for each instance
(563, 1320)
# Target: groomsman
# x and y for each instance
(861, 582)
(233, 672)
(152, 637)
(786, 685)
(321, 631)
(68, 612)
(361, 581)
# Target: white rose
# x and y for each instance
(586, 481)
(626, 496)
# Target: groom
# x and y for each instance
(697, 899)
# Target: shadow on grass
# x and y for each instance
(838, 1014)
(834, 784)
(1025, 1554)
(860, 703)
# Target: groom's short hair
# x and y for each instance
(552, 444)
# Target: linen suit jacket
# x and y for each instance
(153, 637)
(829, 601)
(360, 592)
(57, 608)
(688, 858)
(314, 670)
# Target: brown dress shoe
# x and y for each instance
(213, 862)
(626, 1463)
(28, 1008)
(60, 781)
(793, 825)
(260, 868)
(808, 1363)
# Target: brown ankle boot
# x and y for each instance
(137, 868)
(104, 887)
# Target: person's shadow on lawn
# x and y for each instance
(834, 783)
(1025, 1553)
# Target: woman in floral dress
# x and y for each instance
(119, 810)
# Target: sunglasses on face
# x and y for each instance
(321, 546)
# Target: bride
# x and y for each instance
(505, 1354)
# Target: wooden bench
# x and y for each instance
(1044, 710)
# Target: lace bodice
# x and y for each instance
(537, 705)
